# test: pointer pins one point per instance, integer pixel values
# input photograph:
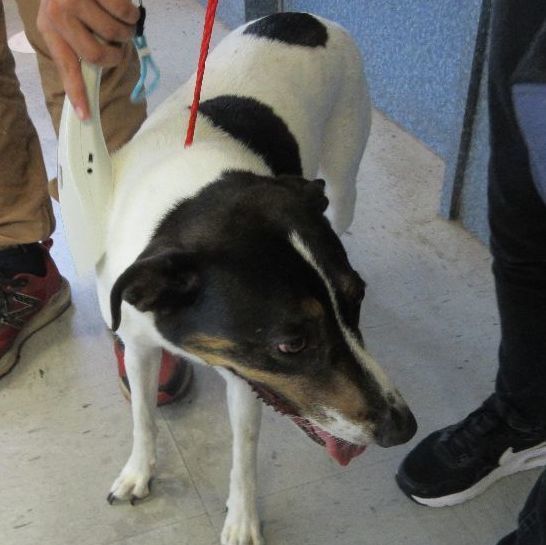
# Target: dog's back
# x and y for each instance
(299, 65)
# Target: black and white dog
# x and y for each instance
(228, 252)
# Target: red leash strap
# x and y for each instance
(207, 33)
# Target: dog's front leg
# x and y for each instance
(242, 525)
(142, 364)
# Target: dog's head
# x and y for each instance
(249, 275)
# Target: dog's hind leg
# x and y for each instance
(242, 525)
(343, 144)
(142, 364)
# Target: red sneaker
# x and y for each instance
(175, 376)
(28, 303)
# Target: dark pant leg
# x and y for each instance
(517, 217)
(532, 520)
(518, 239)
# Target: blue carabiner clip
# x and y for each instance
(141, 91)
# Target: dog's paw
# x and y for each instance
(241, 528)
(133, 483)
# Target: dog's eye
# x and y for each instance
(292, 346)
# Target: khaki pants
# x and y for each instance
(25, 208)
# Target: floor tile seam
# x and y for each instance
(187, 467)
(161, 527)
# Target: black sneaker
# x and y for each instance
(457, 463)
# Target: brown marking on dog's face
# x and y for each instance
(313, 308)
(307, 394)
(344, 395)
(210, 344)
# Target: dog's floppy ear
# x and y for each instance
(314, 194)
(162, 281)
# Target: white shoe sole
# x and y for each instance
(513, 463)
(51, 311)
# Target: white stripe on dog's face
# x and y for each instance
(358, 351)
(340, 427)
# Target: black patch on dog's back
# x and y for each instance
(257, 126)
(291, 28)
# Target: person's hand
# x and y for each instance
(70, 29)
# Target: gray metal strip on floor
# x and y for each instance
(258, 8)
(472, 97)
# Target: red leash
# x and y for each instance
(207, 33)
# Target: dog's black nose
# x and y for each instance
(398, 426)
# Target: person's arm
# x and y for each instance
(70, 29)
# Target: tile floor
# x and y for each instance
(429, 317)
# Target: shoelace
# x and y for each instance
(466, 439)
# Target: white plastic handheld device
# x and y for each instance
(85, 177)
